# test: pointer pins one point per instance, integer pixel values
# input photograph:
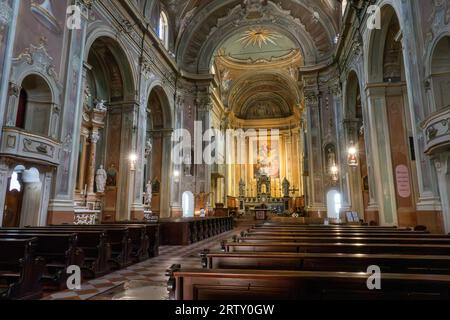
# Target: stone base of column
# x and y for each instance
(137, 215)
(176, 212)
(60, 212)
(433, 220)
(60, 217)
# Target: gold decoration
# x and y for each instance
(259, 37)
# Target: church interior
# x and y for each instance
(224, 149)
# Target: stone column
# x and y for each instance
(418, 104)
(381, 153)
(94, 138)
(61, 208)
(8, 26)
(442, 165)
(316, 194)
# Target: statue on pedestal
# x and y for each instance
(148, 194)
(286, 188)
(100, 179)
(241, 188)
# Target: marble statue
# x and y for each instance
(148, 194)
(148, 147)
(286, 188)
(100, 105)
(100, 179)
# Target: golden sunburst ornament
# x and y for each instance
(260, 37)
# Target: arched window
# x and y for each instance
(344, 6)
(164, 29)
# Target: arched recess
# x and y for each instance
(157, 168)
(34, 110)
(105, 139)
(440, 74)
(387, 91)
(359, 177)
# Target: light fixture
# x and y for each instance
(133, 159)
(176, 173)
(352, 155)
(334, 170)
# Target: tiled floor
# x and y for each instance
(145, 280)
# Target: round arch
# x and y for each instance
(121, 55)
(377, 40)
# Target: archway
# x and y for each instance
(334, 204)
(104, 135)
(391, 119)
(188, 204)
(158, 141)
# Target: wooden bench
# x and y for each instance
(153, 234)
(59, 251)
(367, 248)
(20, 269)
(297, 285)
(388, 263)
(364, 239)
(185, 231)
(94, 243)
(137, 233)
(340, 234)
(118, 239)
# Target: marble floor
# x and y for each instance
(145, 280)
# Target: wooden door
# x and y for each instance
(13, 208)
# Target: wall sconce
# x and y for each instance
(133, 159)
(352, 157)
(334, 170)
(176, 175)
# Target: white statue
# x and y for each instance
(148, 147)
(286, 188)
(100, 179)
(100, 105)
(148, 194)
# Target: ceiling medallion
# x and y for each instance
(259, 37)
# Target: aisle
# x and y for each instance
(148, 276)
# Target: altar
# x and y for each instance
(261, 214)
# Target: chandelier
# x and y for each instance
(259, 37)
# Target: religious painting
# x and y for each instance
(266, 159)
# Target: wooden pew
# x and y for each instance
(368, 248)
(20, 270)
(388, 263)
(369, 231)
(94, 244)
(185, 231)
(249, 233)
(59, 252)
(361, 239)
(118, 239)
(299, 285)
(140, 243)
(153, 231)
(336, 233)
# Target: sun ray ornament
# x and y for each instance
(259, 37)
